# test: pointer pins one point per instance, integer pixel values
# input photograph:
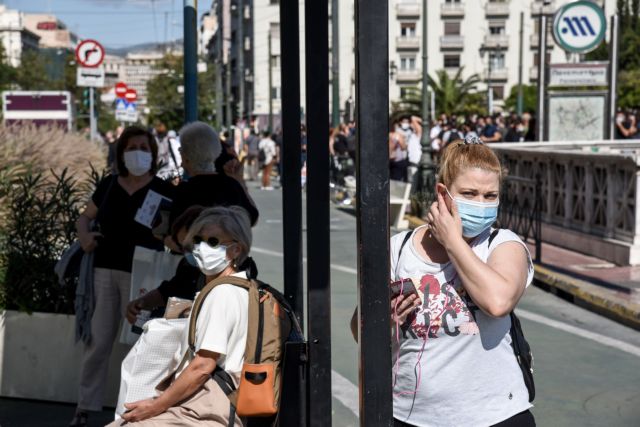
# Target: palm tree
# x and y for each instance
(455, 95)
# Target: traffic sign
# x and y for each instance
(121, 89)
(579, 27)
(89, 53)
(131, 95)
(90, 77)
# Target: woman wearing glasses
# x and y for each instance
(220, 240)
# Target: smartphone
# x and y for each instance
(404, 286)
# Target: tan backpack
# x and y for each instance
(269, 326)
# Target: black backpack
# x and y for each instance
(521, 348)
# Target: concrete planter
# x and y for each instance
(40, 360)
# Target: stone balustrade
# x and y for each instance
(590, 194)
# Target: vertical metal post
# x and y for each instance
(240, 42)
(190, 61)
(542, 68)
(229, 118)
(219, 65)
(425, 142)
(520, 54)
(489, 91)
(270, 83)
(318, 240)
(291, 152)
(372, 172)
(335, 63)
(613, 74)
(93, 125)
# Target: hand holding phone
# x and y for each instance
(404, 287)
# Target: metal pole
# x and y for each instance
(613, 74)
(241, 59)
(190, 61)
(489, 93)
(372, 173)
(270, 84)
(318, 234)
(219, 91)
(520, 54)
(229, 118)
(424, 141)
(542, 59)
(93, 125)
(291, 152)
(335, 63)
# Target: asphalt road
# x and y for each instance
(587, 368)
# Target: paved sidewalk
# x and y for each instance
(598, 285)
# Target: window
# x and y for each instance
(452, 28)
(452, 61)
(452, 1)
(498, 92)
(275, 92)
(408, 29)
(275, 61)
(497, 60)
(496, 29)
(536, 59)
(408, 63)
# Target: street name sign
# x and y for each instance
(581, 74)
(89, 53)
(579, 27)
(90, 77)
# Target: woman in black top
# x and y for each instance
(207, 186)
(118, 197)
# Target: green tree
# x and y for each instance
(628, 93)
(7, 72)
(455, 95)
(410, 104)
(166, 104)
(529, 98)
(32, 74)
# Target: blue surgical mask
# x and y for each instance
(476, 216)
(191, 259)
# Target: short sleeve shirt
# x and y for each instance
(222, 325)
(117, 224)
(456, 366)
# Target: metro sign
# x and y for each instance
(579, 27)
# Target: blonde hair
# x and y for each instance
(234, 220)
(458, 157)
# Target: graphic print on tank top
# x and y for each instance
(446, 310)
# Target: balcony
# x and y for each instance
(538, 6)
(452, 10)
(408, 10)
(451, 42)
(407, 43)
(497, 8)
(498, 74)
(535, 39)
(496, 40)
(409, 75)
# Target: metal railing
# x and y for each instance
(520, 209)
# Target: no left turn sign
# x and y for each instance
(89, 53)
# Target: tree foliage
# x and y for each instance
(166, 104)
(32, 74)
(455, 95)
(529, 97)
(628, 89)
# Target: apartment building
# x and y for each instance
(53, 33)
(480, 36)
(15, 36)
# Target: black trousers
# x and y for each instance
(523, 419)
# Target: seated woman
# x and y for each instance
(220, 240)
(188, 278)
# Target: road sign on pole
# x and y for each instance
(89, 53)
(131, 95)
(121, 89)
(90, 77)
(579, 27)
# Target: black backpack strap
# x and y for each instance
(225, 382)
(493, 235)
(406, 238)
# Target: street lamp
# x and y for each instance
(427, 171)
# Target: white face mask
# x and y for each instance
(211, 261)
(138, 162)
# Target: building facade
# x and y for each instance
(15, 36)
(53, 33)
(481, 37)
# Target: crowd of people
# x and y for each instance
(463, 277)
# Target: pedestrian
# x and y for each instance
(251, 159)
(169, 159)
(626, 125)
(454, 364)
(111, 139)
(490, 133)
(113, 242)
(398, 153)
(268, 156)
(220, 240)
(207, 186)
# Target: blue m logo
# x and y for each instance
(578, 26)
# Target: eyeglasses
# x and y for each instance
(211, 241)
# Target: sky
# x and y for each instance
(116, 23)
